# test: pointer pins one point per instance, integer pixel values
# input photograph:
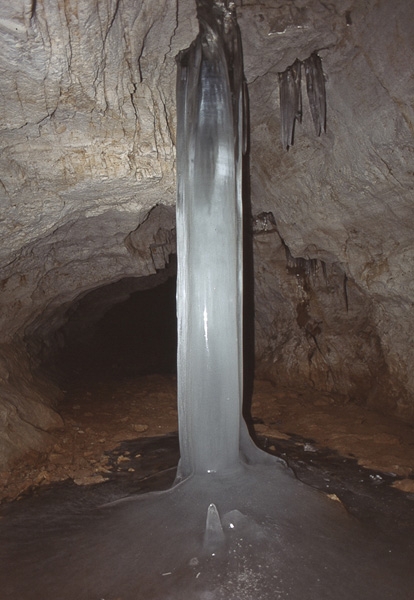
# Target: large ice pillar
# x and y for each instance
(209, 242)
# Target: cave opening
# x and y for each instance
(122, 330)
(113, 359)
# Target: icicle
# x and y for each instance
(315, 86)
(290, 102)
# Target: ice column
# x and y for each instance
(209, 243)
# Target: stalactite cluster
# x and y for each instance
(290, 87)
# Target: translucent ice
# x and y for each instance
(209, 246)
(214, 540)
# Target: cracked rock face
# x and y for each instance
(87, 152)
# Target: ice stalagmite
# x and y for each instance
(209, 214)
(214, 538)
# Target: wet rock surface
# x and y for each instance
(149, 464)
(102, 418)
(138, 466)
(117, 444)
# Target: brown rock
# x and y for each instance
(140, 428)
(89, 479)
(405, 485)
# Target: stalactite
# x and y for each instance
(315, 86)
(299, 265)
(290, 102)
(290, 90)
(264, 223)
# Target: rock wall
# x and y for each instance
(344, 198)
(26, 400)
(315, 328)
(87, 152)
(88, 101)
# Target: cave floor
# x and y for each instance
(100, 415)
(122, 436)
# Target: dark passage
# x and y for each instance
(138, 336)
(126, 329)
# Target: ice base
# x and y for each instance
(276, 538)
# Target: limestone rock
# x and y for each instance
(344, 199)
(405, 485)
(26, 406)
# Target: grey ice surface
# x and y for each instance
(269, 537)
(209, 230)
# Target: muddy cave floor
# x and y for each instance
(120, 438)
(105, 418)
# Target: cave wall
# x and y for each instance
(345, 199)
(88, 100)
(87, 152)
